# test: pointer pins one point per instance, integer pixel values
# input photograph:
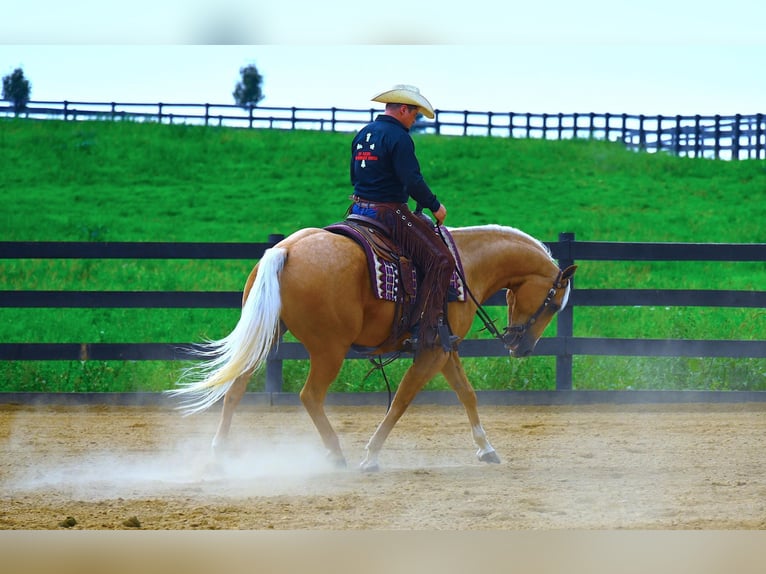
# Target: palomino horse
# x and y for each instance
(316, 285)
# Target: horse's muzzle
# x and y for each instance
(521, 346)
(518, 354)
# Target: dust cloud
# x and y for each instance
(181, 466)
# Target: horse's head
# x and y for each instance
(531, 306)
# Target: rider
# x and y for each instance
(385, 173)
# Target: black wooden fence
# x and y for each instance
(564, 345)
(725, 137)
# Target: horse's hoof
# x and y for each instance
(369, 467)
(489, 456)
(213, 469)
(337, 460)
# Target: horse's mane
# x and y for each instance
(506, 230)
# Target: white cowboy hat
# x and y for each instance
(404, 94)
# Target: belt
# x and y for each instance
(372, 204)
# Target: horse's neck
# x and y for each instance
(497, 257)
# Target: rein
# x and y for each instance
(378, 364)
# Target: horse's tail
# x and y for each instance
(245, 348)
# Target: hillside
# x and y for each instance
(134, 182)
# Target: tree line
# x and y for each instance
(248, 91)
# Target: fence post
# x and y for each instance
(698, 149)
(561, 125)
(624, 128)
(660, 119)
(274, 378)
(717, 132)
(735, 143)
(564, 323)
(607, 125)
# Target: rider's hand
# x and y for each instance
(440, 214)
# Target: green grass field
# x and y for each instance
(103, 181)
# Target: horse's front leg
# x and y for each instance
(423, 369)
(456, 377)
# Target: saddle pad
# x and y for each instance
(383, 264)
(457, 287)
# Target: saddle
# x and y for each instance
(392, 275)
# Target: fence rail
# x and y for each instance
(563, 346)
(713, 136)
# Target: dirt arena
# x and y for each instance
(686, 466)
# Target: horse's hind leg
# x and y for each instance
(322, 372)
(230, 401)
(457, 379)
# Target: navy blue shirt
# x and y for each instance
(384, 167)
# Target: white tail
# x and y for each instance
(245, 348)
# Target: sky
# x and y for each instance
(606, 56)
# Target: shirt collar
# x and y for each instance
(392, 120)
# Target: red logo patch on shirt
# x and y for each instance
(365, 155)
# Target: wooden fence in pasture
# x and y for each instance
(564, 345)
(720, 137)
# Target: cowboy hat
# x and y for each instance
(404, 94)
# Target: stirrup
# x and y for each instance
(448, 340)
(410, 345)
(454, 341)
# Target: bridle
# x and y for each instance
(513, 334)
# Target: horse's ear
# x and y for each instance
(568, 272)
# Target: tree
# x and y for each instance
(16, 89)
(248, 92)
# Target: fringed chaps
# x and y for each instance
(419, 241)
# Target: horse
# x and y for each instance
(315, 284)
